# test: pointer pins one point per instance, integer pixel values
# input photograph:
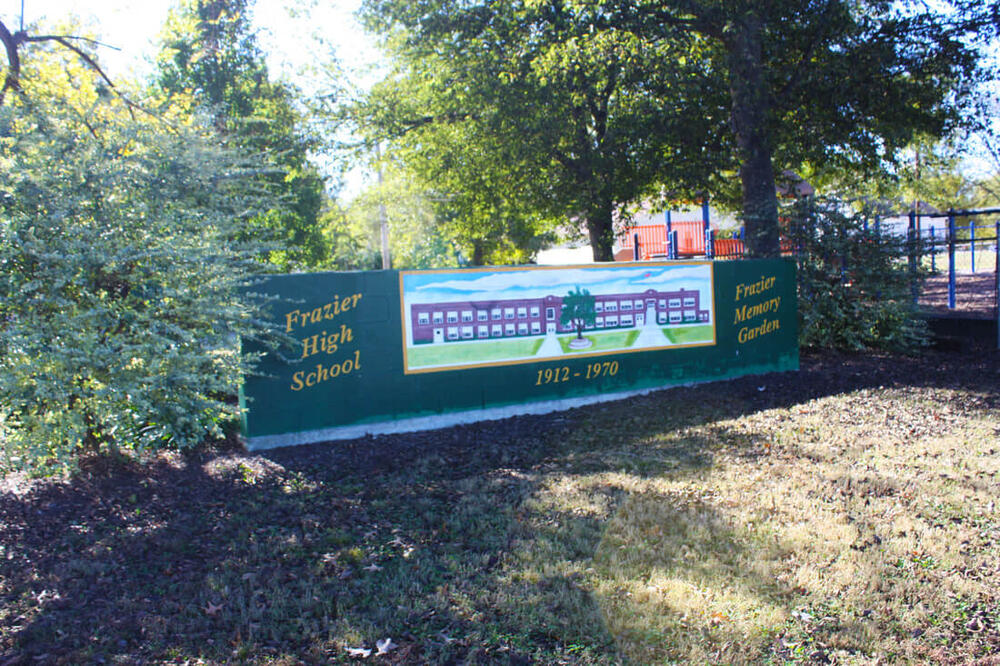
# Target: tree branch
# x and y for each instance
(12, 80)
(130, 105)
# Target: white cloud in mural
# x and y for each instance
(538, 283)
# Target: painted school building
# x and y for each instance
(472, 320)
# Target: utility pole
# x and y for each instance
(383, 218)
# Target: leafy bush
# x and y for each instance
(855, 284)
(120, 311)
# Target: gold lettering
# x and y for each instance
(754, 288)
(310, 345)
(324, 373)
(750, 333)
(327, 343)
(298, 319)
(745, 312)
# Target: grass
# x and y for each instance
(459, 353)
(985, 259)
(688, 334)
(601, 341)
(844, 514)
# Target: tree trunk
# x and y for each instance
(600, 228)
(750, 111)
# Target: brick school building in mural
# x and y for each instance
(482, 320)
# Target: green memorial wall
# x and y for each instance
(392, 351)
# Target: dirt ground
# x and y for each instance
(975, 295)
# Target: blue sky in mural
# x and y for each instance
(469, 285)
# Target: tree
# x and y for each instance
(578, 310)
(415, 238)
(534, 108)
(804, 81)
(886, 72)
(120, 273)
(468, 201)
(209, 52)
(855, 288)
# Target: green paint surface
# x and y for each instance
(346, 367)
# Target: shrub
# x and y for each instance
(120, 310)
(855, 284)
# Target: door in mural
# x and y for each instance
(438, 335)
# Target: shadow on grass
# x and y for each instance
(450, 543)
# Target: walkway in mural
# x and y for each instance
(651, 335)
(550, 347)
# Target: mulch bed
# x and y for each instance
(975, 296)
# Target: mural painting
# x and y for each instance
(459, 319)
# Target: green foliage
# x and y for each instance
(927, 174)
(577, 108)
(522, 116)
(855, 285)
(417, 233)
(120, 312)
(578, 310)
(210, 53)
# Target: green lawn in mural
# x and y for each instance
(684, 335)
(601, 341)
(473, 352)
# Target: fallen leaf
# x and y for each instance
(975, 625)
(358, 652)
(372, 567)
(212, 609)
(385, 646)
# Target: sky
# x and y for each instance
(295, 36)
(291, 39)
(458, 286)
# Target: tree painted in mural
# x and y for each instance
(578, 310)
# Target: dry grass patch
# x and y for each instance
(857, 528)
